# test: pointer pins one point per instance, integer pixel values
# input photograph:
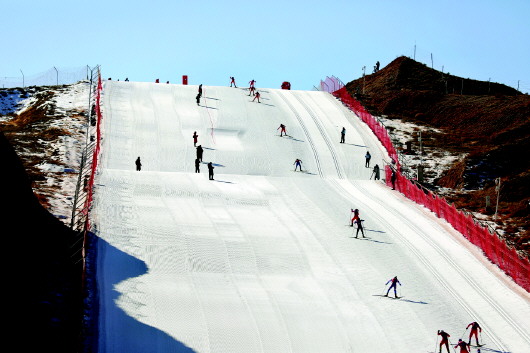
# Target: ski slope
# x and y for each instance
(262, 259)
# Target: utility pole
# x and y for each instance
(364, 74)
(432, 63)
(498, 189)
(420, 167)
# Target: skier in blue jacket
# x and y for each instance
(297, 163)
(394, 282)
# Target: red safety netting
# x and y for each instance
(495, 249)
(95, 156)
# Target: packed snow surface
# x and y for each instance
(262, 258)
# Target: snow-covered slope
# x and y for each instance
(262, 259)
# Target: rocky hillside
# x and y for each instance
(488, 123)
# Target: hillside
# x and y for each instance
(488, 123)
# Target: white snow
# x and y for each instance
(262, 259)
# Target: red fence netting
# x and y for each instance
(495, 249)
(95, 156)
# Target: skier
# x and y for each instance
(198, 98)
(343, 135)
(393, 178)
(197, 164)
(463, 346)
(394, 281)
(195, 136)
(355, 216)
(252, 82)
(257, 97)
(200, 90)
(126, 79)
(359, 227)
(368, 157)
(157, 80)
(282, 131)
(375, 173)
(210, 171)
(475, 328)
(138, 164)
(251, 90)
(199, 152)
(232, 82)
(297, 163)
(445, 340)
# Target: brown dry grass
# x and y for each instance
(488, 121)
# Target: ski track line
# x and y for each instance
(431, 269)
(471, 282)
(302, 203)
(323, 133)
(302, 125)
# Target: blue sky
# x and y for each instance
(269, 41)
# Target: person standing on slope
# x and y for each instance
(343, 135)
(197, 165)
(375, 173)
(251, 90)
(138, 164)
(445, 340)
(251, 83)
(297, 163)
(232, 81)
(200, 90)
(393, 177)
(463, 346)
(282, 131)
(367, 156)
(195, 136)
(257, 97)
(210, 171)
(199, 152)
(475, 328)
(394, 282)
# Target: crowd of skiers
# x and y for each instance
(463, 345)
(376, 173)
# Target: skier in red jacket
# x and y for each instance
(445, 340)
(475, 328)
(282, 131)
(355, 216)
(463, 346)
(256, 96)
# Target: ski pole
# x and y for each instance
(462, 336)
(384, 290)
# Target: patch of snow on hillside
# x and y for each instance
(62, 157)
(435, 161)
